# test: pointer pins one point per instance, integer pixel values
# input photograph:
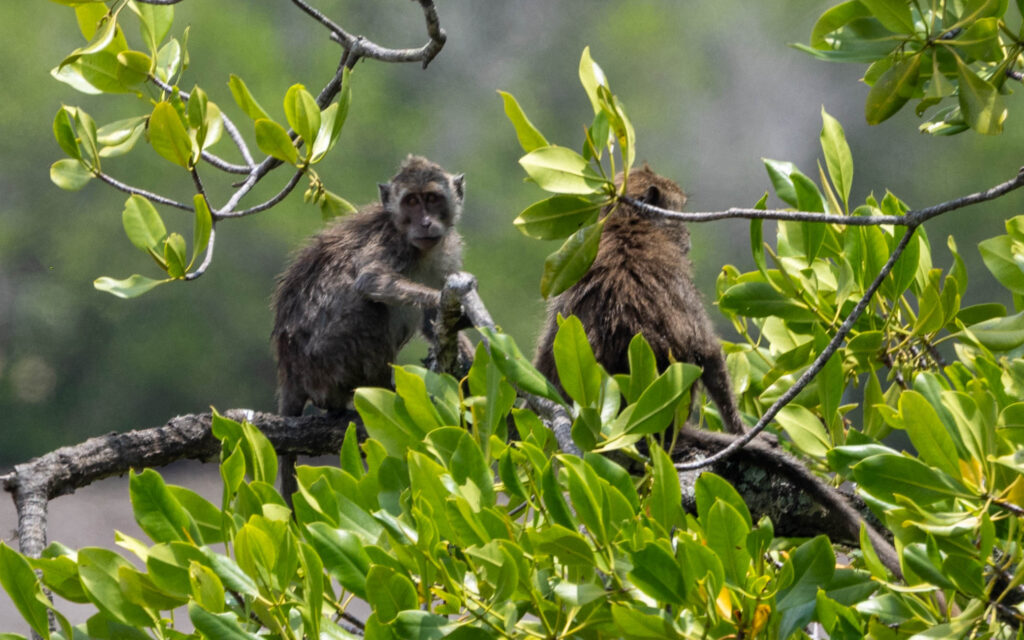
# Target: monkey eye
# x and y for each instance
(430, 198)
(410, 199)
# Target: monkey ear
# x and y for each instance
(459, 184)
(385, 193)
(652, 196)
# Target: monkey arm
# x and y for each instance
(392, 288)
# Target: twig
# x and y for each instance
(149, 195)
(159, 1)
(816, 366)
(363, 48)
(912, 218)
(207, 257)
(281, 195)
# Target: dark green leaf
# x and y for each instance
(666, 499)
(813, 565)
(21, 585)
(759, 300)
(928, 434)
(893, 14)
(656, 406)
(157, 512)
(577, 368)
(657, 574)
(980, 101)
(343, 556)
(892, 90)
(389, 592)
(218, 626)
(886, 475)
(510, 360)
(98, 569)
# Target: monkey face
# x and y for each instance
(424, 202)
(424, 217)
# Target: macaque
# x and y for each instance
(359, 290)
(640, 283)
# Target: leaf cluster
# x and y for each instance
(928, 52)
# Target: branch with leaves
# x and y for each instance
(183, 126)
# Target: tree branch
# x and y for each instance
(816, 366)
(149, 195)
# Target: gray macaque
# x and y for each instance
(640, 282)
(361, 288)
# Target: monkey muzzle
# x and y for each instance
(425, 243)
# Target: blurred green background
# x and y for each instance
(711, 89)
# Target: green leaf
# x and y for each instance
(273, 140)
(202, 228)
(711, 488)
(70, 174)
(656, 406)
(379, 409)
(657, 574)
(759, 300)
(813, 565)
(157, 512)
(206, 588)
(332, 118)
(130, 287)
(565, 544)
(1000, 334)
(838, 158)
(529, 137)
(893, 14)
(892, 90)
(120, 137)
(168, 135)
(805, 429)
(888, 475)
(389, 592)
(666, 499)
(577, 367)
(22, 586)
(591, 77)
(174, 255)
(565, 267)
(510, 360)
(98, 569)
(980, 102)
(102, 37)
(999, 255)
(562, 170)
(559, 216)
(726, 533)
(779, 172)
(422, 625)
(577, 595)
(142, 223)
(64, 132)
(302, 113)
(343, 556)
(245, 100)
(928, 434)
(835, 18)
(218, 626)
(154, 23)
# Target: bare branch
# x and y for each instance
(816, 366)
(360, 47)
(912, 218)
(207, 257)
(149, 195)
(281, 195)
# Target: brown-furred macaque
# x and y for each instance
(359, 290)
(640, 283)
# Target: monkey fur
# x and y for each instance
(359, 290)
(640, 282)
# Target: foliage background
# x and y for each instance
(710, 89)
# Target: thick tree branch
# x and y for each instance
(61, 472)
